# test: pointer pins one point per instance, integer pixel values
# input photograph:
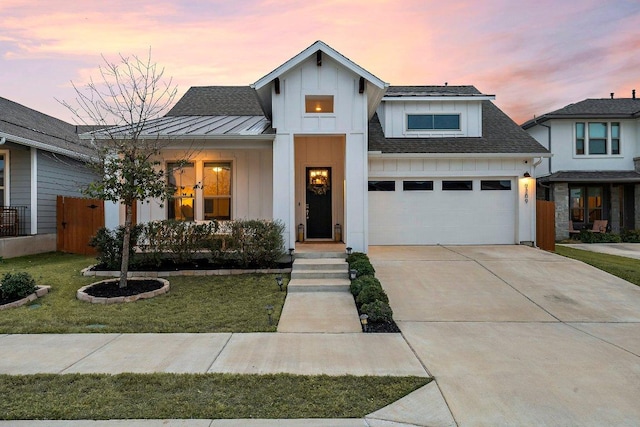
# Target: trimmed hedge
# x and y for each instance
(363, 267)
(245, 242)
(378, 311)
(362, 282)
(587, 236)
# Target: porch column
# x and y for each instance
(284, 186)
(560, 195)
(356, 200)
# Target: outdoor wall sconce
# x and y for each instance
(353, 274)
(364, 321)
(349, 250)
(279, 282)
(269, 309)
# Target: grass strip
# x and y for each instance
(204, 396)
(622, 267)
(194, 304)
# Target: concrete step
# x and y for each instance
(320, 264)
(319, 312)
(319, 285)
(319, 274)
(316, 255)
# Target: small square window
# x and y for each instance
(318, 104)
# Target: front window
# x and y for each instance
(217, 190)
(182, 177)
(433, 122)
(597, 138)
(586, 204)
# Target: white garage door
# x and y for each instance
(442, 211)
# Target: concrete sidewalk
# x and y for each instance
(628, 250)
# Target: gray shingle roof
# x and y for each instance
(500, 135)
(23, 122)
(394, 91)
(218, 101)
(593, 176)
(593, 108)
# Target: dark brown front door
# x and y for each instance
(318, 203)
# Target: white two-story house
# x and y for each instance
(594, 172)
(335, 153)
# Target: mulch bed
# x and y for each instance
(382, 327)
(113, 290)
(4, 301)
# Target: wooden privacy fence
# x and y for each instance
(77, 221)
(546, 225)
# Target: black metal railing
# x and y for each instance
(13, 221)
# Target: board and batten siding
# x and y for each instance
(57, 175)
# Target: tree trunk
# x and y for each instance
(126, 244)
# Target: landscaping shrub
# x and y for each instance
(17, 285)
(378, 311)
(587, 236)
(108, 244)
(630, 236)
(356, 256)
(362, 282)
(363, 266)
(371, 293)
(179, 241)
(257, 242)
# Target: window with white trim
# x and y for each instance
(433, 121)
(181, 205)
(216, 188)
(597, 138)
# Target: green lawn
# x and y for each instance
(194, 304)
(206, 396)
(625, 268)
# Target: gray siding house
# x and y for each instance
(41, 157)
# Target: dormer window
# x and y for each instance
(433, 122)
(318, 104)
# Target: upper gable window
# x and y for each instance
(318, 104)
(433, 122)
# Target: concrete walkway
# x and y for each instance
(629, 250)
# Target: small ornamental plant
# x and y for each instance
(15, 286)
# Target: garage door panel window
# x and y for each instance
(417, 185)
(495, 185)
(457, 185)
(382, 186)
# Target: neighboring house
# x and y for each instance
(594, 173)
(333, 151)
(40, 158)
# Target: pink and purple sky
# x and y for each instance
(535, 56)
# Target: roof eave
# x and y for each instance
(459, 155)
(404, 98)
(45, 147)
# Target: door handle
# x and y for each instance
(307, 210)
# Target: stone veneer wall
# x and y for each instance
(614, 220)
(560, 195)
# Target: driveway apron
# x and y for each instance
(517, 336)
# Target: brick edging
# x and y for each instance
(83, 296)
(40, 291)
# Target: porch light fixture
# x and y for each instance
(353, 274)
(291, 254)
(364, 321)
(269, 309)
(349, 250)
(279, 281)
(527, 175)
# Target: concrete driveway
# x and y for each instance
(516, 336)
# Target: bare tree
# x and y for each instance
(120, 106)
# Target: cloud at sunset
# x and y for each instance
(535, 56)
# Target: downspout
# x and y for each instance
(549, 140)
